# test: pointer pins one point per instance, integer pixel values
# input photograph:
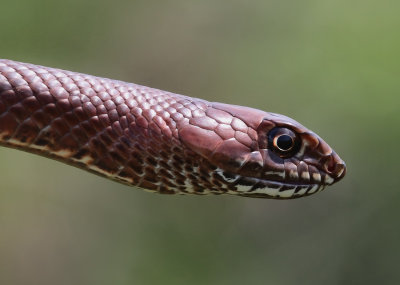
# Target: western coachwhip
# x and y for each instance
(157, 140)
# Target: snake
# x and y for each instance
(160, 141)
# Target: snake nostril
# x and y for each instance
(330, 167)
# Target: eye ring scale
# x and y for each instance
(284, 142)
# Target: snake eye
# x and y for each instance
(283, 141)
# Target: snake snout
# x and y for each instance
(335, 167)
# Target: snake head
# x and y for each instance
(261, 154)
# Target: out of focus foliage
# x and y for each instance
(332, 65)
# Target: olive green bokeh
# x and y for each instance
(332, 65)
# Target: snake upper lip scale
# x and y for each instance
(160, 141)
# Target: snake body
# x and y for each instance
(157, 140)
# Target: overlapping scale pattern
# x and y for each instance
(142, 136)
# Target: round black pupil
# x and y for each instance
(284, 142)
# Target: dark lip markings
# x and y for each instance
(281, 189)
(257, 187)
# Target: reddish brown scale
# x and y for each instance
(154, 139)
(19, 111)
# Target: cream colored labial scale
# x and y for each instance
(305, 175)
(328, 179)
(301, 191)
(316, 176)
(313, 189)
(287, 193)
(243, 189)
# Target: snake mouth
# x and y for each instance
(277, 186)
(267, 188)
(255, 187)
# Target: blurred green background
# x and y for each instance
(333, 65)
